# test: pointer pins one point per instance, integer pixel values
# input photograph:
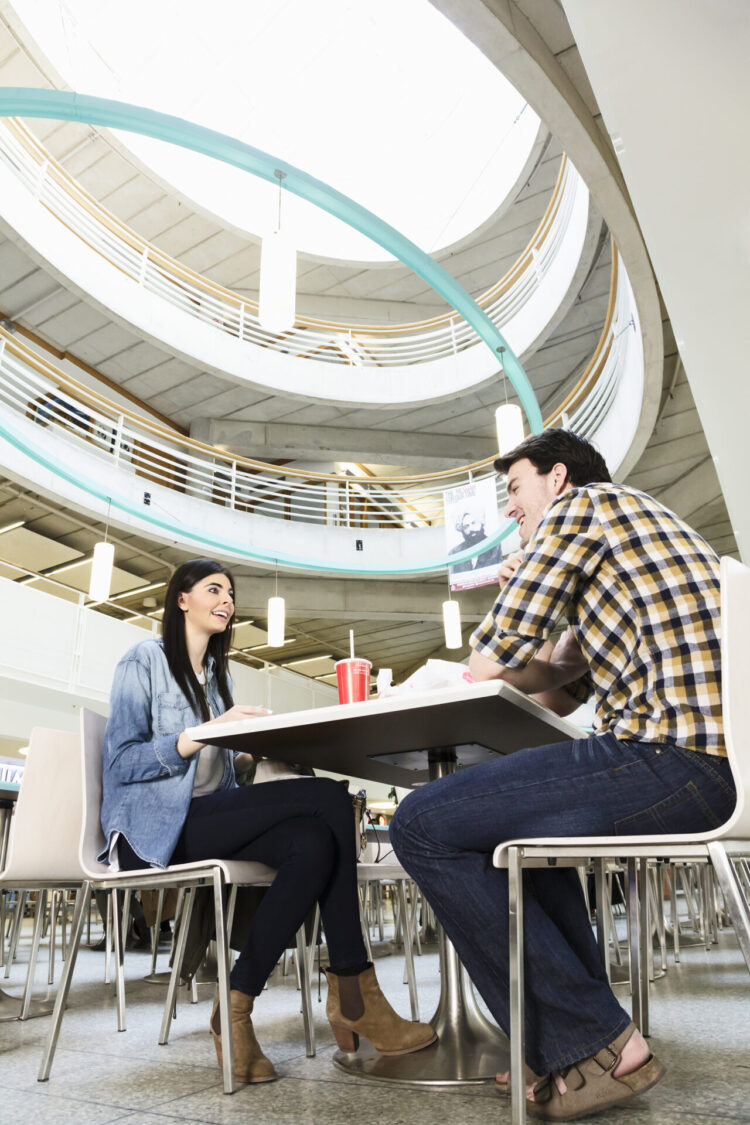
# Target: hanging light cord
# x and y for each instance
(281, 176)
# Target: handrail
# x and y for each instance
(338, 343)
(33, 387)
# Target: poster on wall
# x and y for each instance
(471, 516)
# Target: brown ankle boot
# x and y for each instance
(356, 1006)
(250, 1064)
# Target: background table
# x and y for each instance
(408, 740)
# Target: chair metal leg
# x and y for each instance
(41, 902)
(54, 901)
(515, 966)
(82, 899)
(634, 941)
(737, 906)
(155, 930)
(117, 933)
(645, 947)
(187, 899)
(224, 1003)
(363, 919)
(602, 912)
(305, 986)
(108, 939)
(21, 897)
(673, 912)
(408, 951)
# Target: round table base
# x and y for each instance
(468, 1055)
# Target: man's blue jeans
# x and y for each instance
(444, 835)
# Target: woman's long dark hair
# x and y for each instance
(173, 636)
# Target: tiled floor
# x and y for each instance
(700, 1022)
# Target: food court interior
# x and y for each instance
(559, 183)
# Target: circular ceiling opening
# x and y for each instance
(387, 102)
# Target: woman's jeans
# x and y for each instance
(304, 828)
(444, 834)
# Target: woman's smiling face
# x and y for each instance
(209, 605)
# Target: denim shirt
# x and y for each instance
(146, 785)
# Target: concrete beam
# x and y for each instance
(352, 599)
(692, 491)
(269, 440)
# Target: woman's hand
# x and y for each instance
(234, 714)
(186, 747)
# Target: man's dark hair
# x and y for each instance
(584, 463)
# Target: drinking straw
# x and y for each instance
(351, 643)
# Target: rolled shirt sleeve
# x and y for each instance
(568, 547)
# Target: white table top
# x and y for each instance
(388, 739)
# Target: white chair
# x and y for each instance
(722, 846)
(42, 849)
(216, 873)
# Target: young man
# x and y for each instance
(640, 592)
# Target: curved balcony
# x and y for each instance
(75, 442)
(318, 359)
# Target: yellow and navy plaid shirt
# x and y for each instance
(641, 591)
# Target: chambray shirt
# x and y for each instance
(641, 591)
(146, 785)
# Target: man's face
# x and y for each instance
(472, 525)
(529, 493)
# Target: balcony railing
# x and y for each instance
(310, 339)
(35, 390)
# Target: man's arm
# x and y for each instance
(535, 676)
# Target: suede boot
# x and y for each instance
(250, 1064)
(356, 1006)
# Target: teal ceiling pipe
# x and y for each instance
(181, 531)
(23, 101)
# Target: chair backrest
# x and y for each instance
(735, 692)
(46, 824)
(92, 841)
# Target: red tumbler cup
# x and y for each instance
(353, 675)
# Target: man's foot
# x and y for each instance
(611, 1076)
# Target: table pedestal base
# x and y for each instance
(469, 1048)
(10, 1008)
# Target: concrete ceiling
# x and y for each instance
(396, 622)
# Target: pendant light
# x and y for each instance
(452, 624)
(509, 425)
(508, 420)
(100, 583)
(278, 277)
(276, 615)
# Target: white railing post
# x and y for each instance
(143, 266)
(40, 178)
(241, 322)
(118, 438)
(233, 485)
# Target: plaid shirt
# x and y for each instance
(641, 591)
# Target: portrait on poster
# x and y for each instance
(471, 516)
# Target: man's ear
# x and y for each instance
(560, 478)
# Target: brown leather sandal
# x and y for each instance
(591, 1084)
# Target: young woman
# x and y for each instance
(168, 799)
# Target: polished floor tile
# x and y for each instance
(700, 1021)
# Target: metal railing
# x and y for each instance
(346, 344)
(33, 389)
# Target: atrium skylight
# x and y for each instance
(386, 101)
